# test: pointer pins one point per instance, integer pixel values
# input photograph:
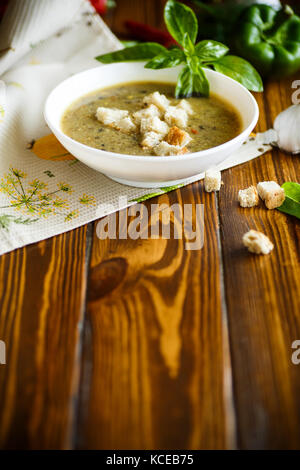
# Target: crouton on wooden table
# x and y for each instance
(248, 197)
(257, 242)
(212, 180)
(272, 194)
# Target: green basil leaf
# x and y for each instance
(187, 44)
(240, 70)
(184, 87)
(191, 82)
(169, 58)
(129, 43)
(193, 63)
(291, 204)
(142, 51)
(210, 50)
(201, 84)
(180, 19)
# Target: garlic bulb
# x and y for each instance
(287, 126)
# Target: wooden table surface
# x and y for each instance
(142, 344)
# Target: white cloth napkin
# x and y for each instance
(42, 192)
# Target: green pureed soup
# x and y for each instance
(214, 120)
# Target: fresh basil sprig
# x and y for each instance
(291, 204)
(167, 58)
(142, 51)
(180, 19)
(182, 24)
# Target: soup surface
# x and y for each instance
(214, 121)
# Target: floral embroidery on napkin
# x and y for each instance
(34, 197)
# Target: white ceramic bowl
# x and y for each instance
(140, 171)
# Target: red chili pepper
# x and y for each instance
(148, 33)
(100, 6)
(194, 131)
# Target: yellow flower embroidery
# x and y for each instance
(71, 215)
(87, 200)
(65, 187)
(32, 197)
(17, 173)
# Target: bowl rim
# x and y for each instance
(150, 158)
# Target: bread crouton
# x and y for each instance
(161, 101)
(257, 242)
(126, 125)
(183, 104)
(150, 111)
(117, 118)
(178, 137)
(272, 194)
(154, 124)
(248, 197)
(110, 115)
(165, 149)
(175, 116)
(151, 139)
(212, 180)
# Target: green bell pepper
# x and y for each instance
(269, 39)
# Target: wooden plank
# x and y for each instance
(149, 12)
(154, 358)
(41, 305)
(263, 298)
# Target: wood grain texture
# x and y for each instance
(149, 365)
(41, 302)
(155, 357)
(154, 351)
(148, 12)
(262, 295)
